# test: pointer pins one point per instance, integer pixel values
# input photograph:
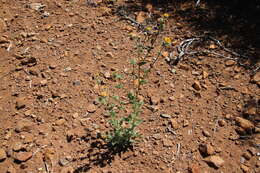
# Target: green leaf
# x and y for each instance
(142, 63)
(133, 61)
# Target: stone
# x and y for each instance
(196, 85)
(154, 100)
(247, 155)
(104, 11)
(214, 161)
(36, 6)
(20, 103)
(67, 170)
(91, 108)
(2, 155)
(167, 143)
(244, 168)
(194, 168)
(206, 133)
(17, 146)
(204, 74)
(175, 125)
(230, 62)
(107, 75)
(165, 115)
(222, 123)
(244, 123)
(11, 169)
(251, 110)
(23, 126)
(109, 55)
(206, 149)
(60, 122)
(64, 162)
(23, 156)
(256, 79)
(2, 25)
(185, 123)
(140, 18)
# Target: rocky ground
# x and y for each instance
(199, 116)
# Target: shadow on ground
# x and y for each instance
(100, 154)
(236, 22)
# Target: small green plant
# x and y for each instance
(124, 133)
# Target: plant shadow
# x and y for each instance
(100, 154)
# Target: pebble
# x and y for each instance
(2, 155)
(60, 122)
(175, 125)
(196, 85)
(244, 168)
(11, 169)
(109, 55)
(2, 25)
(165, 116)
(214, 161)
(17, 146)
(23, 156)
(36, 6)
(154, 100)
(20, 103)
(91, 108)
(185, 123)
(222, 123)
(204, 74)
(194, 168)
(244, 123)
(230, 62)
(256, 79)
(247, 155)
(67, 170)
(167, 143)
(206, 133)
(64, 162)
(206, 149)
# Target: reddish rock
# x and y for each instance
(214, 161)
(2, 155)
(91, 108)
(23, 156)
(243, 123)
(206, 149)
(194, 168)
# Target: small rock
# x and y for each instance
(23, 156)
(44, 82)
(36, 6)
(247, 155)
(185, 123)
(140, 18)
(109, 55)
(222, 123)
(228, 116)
(17, 146)
(214, 161)
(64, 161)
(206, 149)
(2, 155)
(256, 79)
(20, 103)
(194, 168)
(244, 168)
(165, 116)
(23, 126)
(11, 169)
(230, 62)
(107, 75)
(204, 74)
(75, 115)
(67, 170)
(196, 85)
(105, 11)
(245, 124)
(184, 67)
(175, 125)
(91, 108)
(60, 122)
(2, 25)
(251, 110)
(167, 143)
(76, 82)
(206, 133)
(154, 100)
